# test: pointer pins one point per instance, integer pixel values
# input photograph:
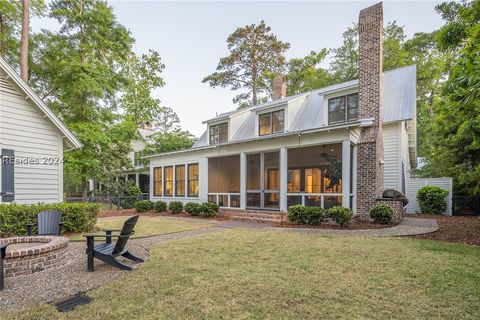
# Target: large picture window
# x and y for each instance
(180, 181)
(272, 122)
(193, 180)
(218, 133)
(168, 181)
(157, 182)
(343, 109)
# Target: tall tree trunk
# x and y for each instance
(24, 40)
(254, 86)
(2, 35)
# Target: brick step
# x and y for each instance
(255, 214)
(251, 215)
(255, 219)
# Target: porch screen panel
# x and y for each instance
(313, 171)
(157, 181)
(271, 179)
(224, 174)
(180, 181)
(193, 180)
(253, 180)
(168, 181)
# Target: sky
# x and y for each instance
(191, 37)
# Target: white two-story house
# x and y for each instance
(302, 149)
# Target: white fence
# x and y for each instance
(414, 184)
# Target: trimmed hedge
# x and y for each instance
(381, 214)
(341, 215)
(431, 199)
(76, 217)
(316, 215)
(193, 208)
(209, 209)
(160, 206)
(144, 206)
(306, 215)
(175, 206)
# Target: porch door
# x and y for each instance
(263, 180)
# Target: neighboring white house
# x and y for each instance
(32, 142)
(139, 174)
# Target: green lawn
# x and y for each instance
(147, 226)
(253, 274)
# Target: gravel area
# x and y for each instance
(408, 227)
(56, 284)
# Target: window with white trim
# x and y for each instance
(218, 133)
(271, 122)
(343, 109)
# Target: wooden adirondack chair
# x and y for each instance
(49, 223)
(108, 252)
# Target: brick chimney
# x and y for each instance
(279, 87)
(147, 125)
(370, 145)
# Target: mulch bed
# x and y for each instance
(355, 224)
(464, 230)
(130, 212)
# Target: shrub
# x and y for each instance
(340, 215)
(144, 206)
(297, 213)
(431, 199)
(193, 208)
(76, 217)
(306, 215)
(128, 201)
(315, 215)
(160, 206)
(209, 209)
(175, 206)
(381, 214)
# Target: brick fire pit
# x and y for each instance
(27, 255)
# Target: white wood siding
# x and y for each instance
(391, 152)
(32, 136)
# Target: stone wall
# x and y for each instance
(24, 261)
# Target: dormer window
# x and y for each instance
(218, 133)
(271, 122)
(343, 109)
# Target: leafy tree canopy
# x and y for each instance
(255, 52)
(170, 141)
(455, 148)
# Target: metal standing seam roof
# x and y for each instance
(398, 104)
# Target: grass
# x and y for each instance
(146, 226)
(240, 274)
